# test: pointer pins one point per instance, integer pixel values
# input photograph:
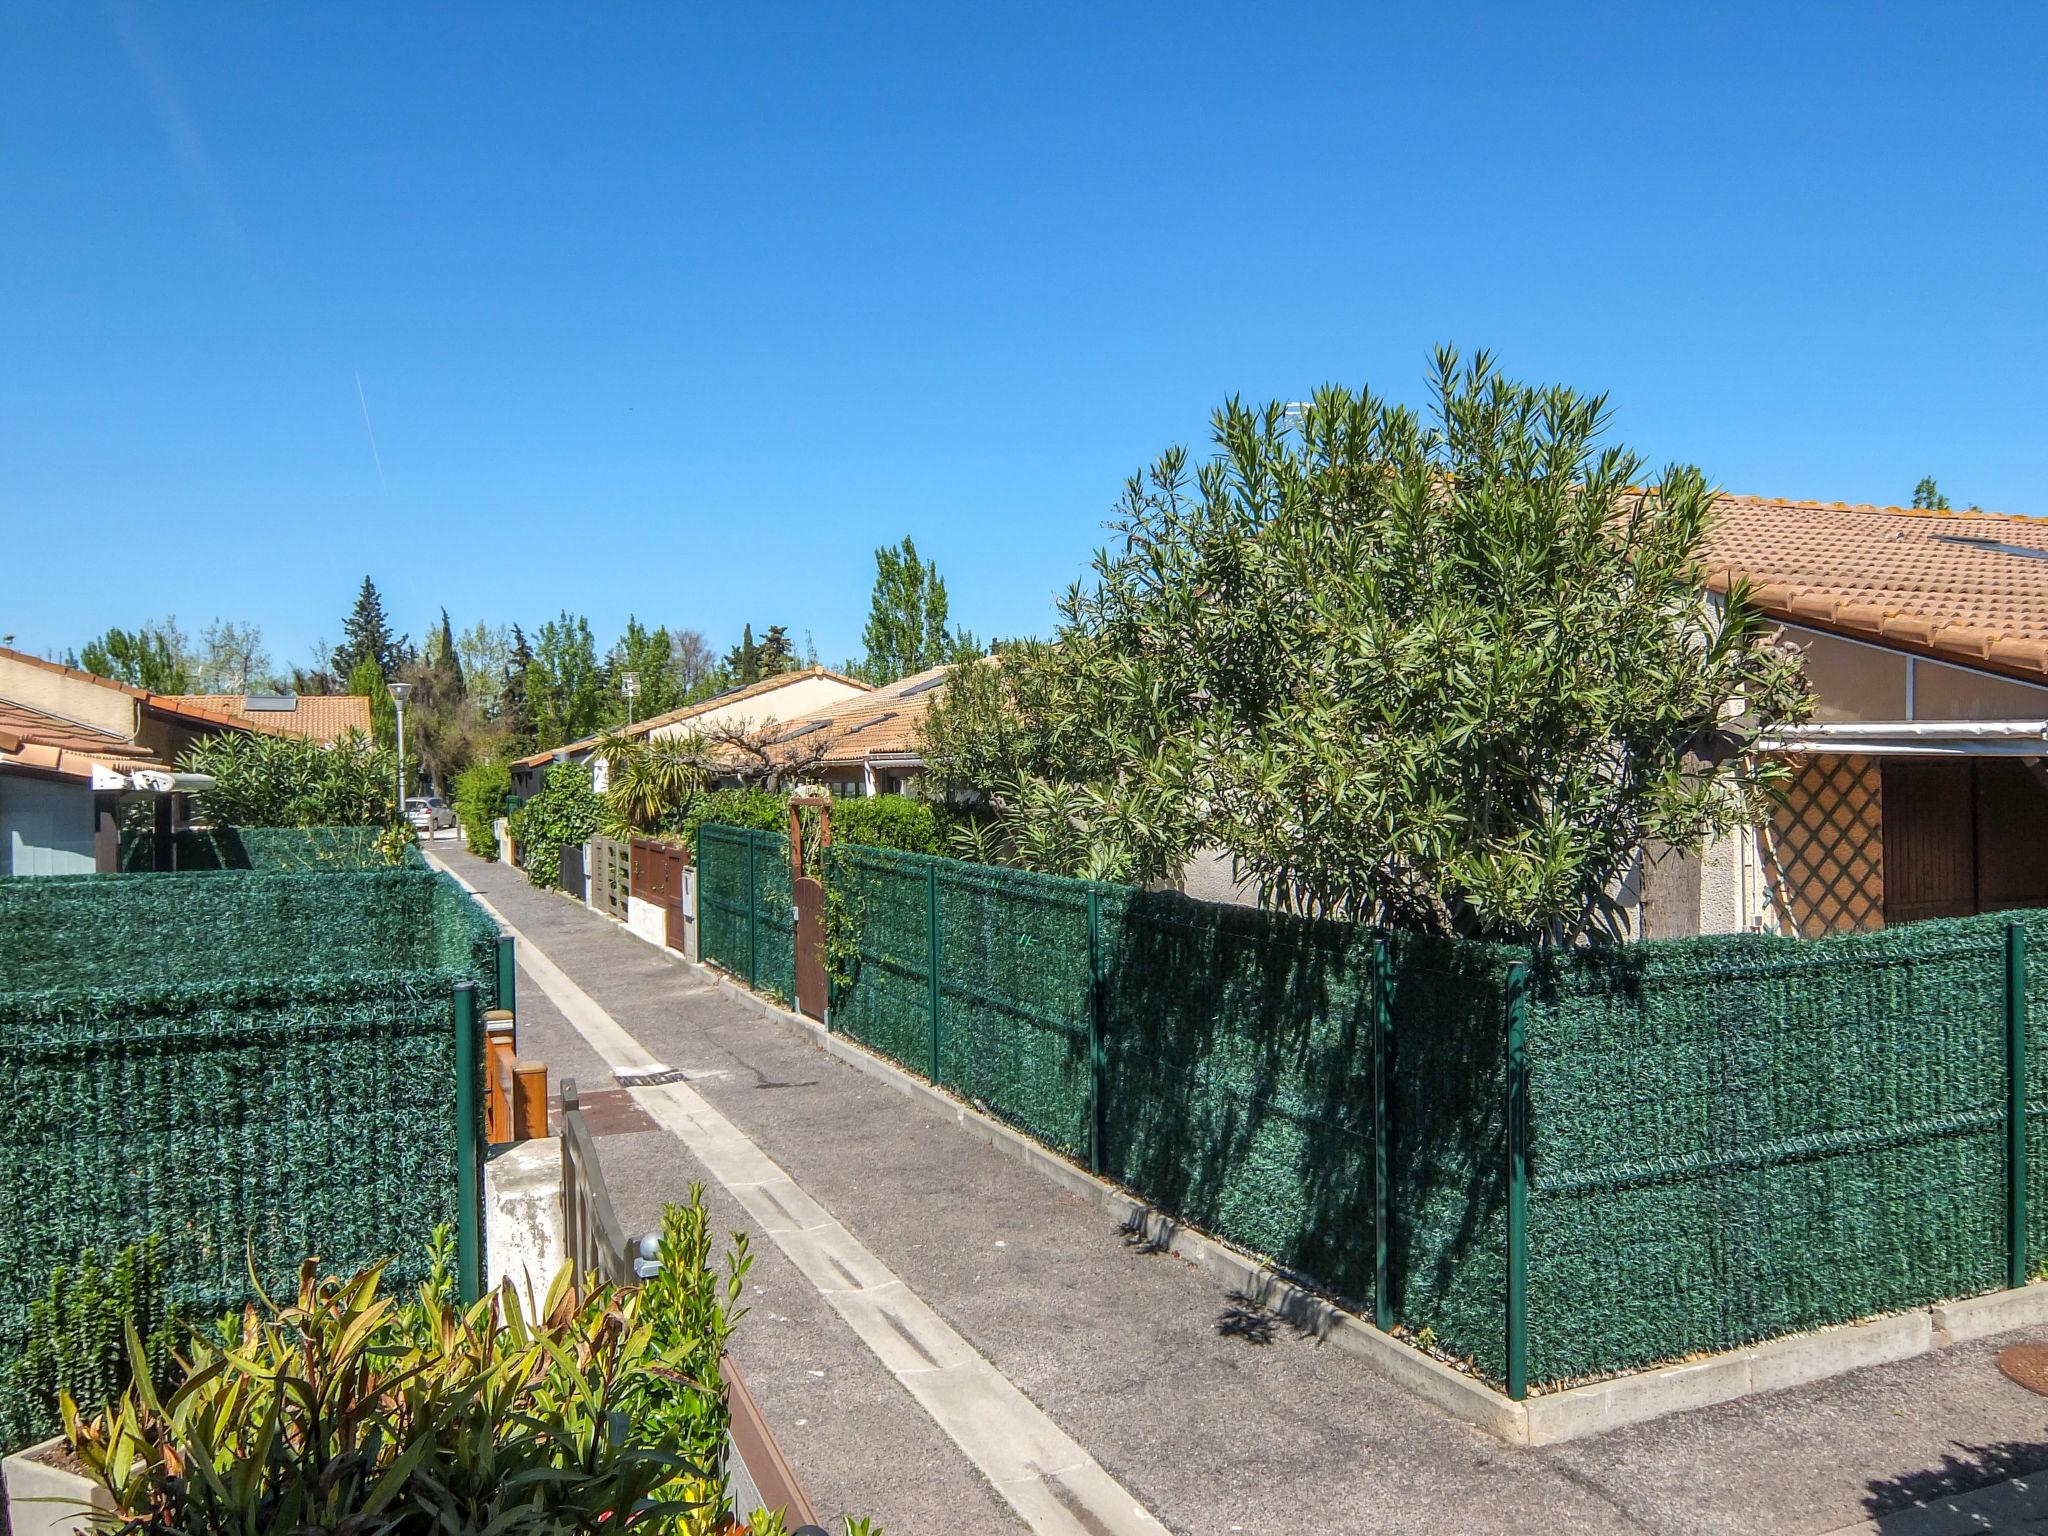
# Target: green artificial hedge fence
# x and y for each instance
(264, 848)
(260, 1064)
(1725, 1139)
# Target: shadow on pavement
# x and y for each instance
(1964, 1470)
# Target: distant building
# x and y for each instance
(73, 747)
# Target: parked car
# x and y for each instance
(429, 813)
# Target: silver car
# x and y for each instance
(429, 813)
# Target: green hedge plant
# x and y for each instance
(481, 791)
(77, 1344)
(566, 810)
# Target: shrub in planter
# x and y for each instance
(565, 811)
(77, 1339)
(888, 821)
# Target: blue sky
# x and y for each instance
(682, 309)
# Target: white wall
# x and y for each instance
(805, 694)
(46, 827)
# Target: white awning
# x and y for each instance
(1913, 738)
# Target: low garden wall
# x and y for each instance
(253, 1067)
(1561, 1165)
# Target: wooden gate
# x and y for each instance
(658, 879)
(807, 890)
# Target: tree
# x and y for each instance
(648, 654)
(693, 664)
(151, 656)
(1927, 496)
(367, 682)
(445, 731)
(232, 659)
(443, 653)
(485, 652)
(906, 629)
(1453, 672)
(750, 661)
(564, 685)
(366, 635)
(515, 711)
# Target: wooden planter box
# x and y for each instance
(46, 1498)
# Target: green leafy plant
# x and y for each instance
(565, 811)
(481, 791)
(755, 808)
(263, 780)
(889, 821)
(653, 783)
(395, 842)
(77, 1343)
(1452, 670)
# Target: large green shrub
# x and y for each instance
(565, 811)
(889, 821)
(292, 781)
(481, 791)
(755, 808)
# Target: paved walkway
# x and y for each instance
(1164, 1399)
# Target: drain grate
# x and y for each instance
(2026, 1364)
(649, 1079)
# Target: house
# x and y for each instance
(751, 707)
(865, 745)
(73, 748)
(1919, 788)
(325, 718)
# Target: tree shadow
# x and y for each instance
(1962, 1471)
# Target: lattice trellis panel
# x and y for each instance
(1827, 842)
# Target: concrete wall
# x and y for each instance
(70, 697)
(46, 826)
(647, 920)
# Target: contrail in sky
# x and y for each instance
(373, 434)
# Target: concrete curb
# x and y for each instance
(1548, 1418)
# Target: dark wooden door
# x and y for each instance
(1930, 839)
(811, 990)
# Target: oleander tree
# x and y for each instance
(1453, 669)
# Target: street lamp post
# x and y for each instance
(629, 685)
(400, 692)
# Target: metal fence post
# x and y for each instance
(1096, 1058)
(1382, 1160)
(753, 908)
(508, 981)
(1518, 1181)
(931, 901)
(469, 1177)
(2016, 1104)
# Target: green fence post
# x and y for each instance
(931, 901)
(753, 908)
(2016, 1104)
(508, 982)
(1518, 1182)
(1096, 1062)
(469, 1176)
(1382, 1160)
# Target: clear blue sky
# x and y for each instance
(682, 309)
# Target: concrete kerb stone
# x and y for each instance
(1548, 1418)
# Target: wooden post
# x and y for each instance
(529, 1100)
(499, 1048)
(164, 854)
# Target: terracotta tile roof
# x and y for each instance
(723, 700)
(26, 723)
(324, 717)
(37, 740)
(885, 723)
(1968, 587)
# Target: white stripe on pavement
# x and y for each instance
(1056, 1486)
